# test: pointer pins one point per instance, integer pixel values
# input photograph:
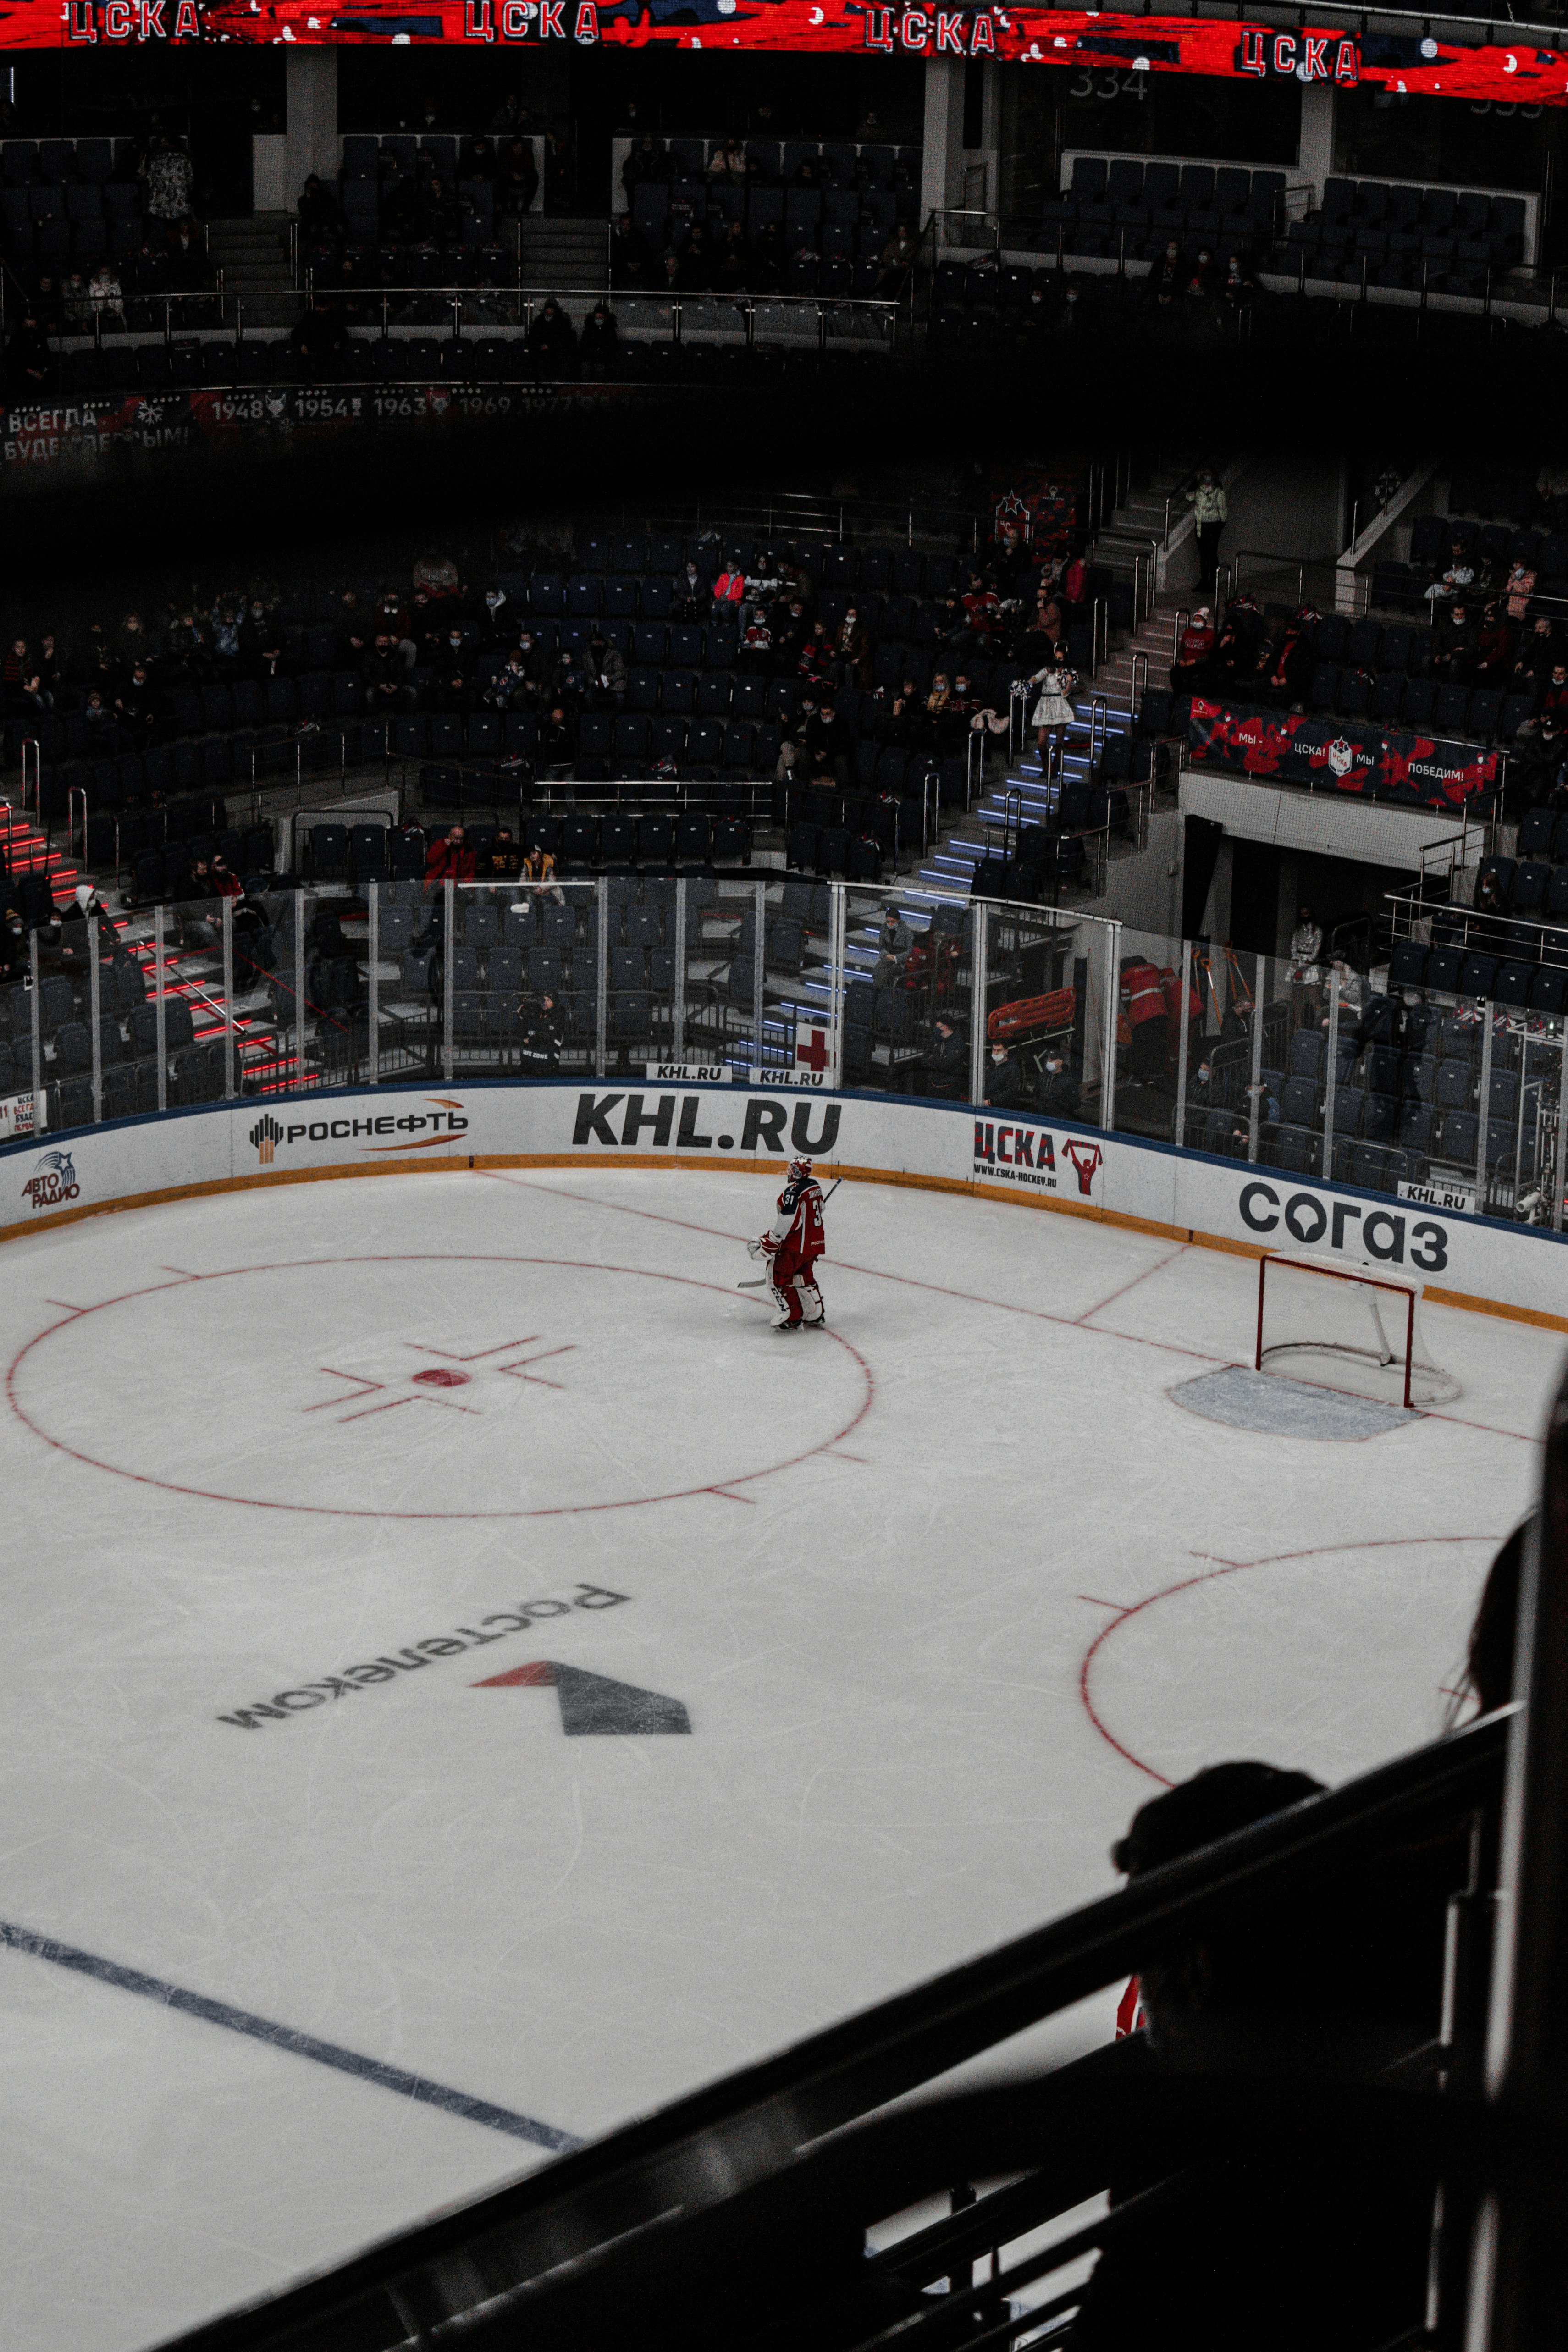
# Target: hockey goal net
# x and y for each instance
(1342, 1324)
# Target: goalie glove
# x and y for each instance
(754, 1249)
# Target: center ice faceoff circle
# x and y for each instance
(435, 1387)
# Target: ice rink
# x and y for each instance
(898, 1622)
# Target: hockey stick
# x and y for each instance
(762, 1281)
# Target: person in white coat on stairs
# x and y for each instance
(1054, 713)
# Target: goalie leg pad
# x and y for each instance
(811, 1298)
(788, 1304)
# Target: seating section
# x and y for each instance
(1135, 205)
(431, 210)
(692, 714)
(821, 205)
(127, 1038)
(1131, 207)
(440, 211)
(1450, 240)
(76, 206)
(1382, 674)
(1490, 548)
(1397, 1111)
(717, 338)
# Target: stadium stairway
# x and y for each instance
(566, 255)
(252, 253)
(1023, 795)
(24, 852)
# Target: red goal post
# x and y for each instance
(1342, 1323)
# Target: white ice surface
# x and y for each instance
(886, 1581)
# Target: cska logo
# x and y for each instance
(1341, 757)
(1086, 1158)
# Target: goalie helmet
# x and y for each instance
(798, 1171)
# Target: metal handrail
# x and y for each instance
(1017, 718)
(527, 298)
(1099, 727)
(1178, 623)
(701, 2150)
(1132, 705)
(35, 768)
(78, 792)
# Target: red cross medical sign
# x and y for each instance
(1414, 63)
(811, 1048)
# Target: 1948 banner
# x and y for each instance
(1411, 63)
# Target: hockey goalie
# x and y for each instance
(792, 1245)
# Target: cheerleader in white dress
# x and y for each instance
(1054, 713)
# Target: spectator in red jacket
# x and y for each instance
(728, 590)
(981, 613)
(450, 858)
(1189, 671)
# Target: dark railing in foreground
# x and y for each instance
(663, 2217)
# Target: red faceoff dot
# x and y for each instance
(440, 1378)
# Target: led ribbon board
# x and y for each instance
(1414, 63)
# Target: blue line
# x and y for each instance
(284, 2037)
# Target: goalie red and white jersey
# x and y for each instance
(796, 1232)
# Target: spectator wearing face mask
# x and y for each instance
(385, 675)
(855, 649)
(1536, 658)
(1210, 515)
(829, 746)
(1189, 671)
(1454, 641)
(1003, 1080)
(1236, 286)
(455, 689)
(945, 1066)
(1057, 1092)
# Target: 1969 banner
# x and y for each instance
(1411, 63)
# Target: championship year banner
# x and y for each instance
(1338, 755)
(1413, 64)
(59, 430)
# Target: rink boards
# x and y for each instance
(1017, 1157)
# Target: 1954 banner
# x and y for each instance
(1414, 63)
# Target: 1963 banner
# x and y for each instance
(89, 432)
(1413, 63)
(1339, 755)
